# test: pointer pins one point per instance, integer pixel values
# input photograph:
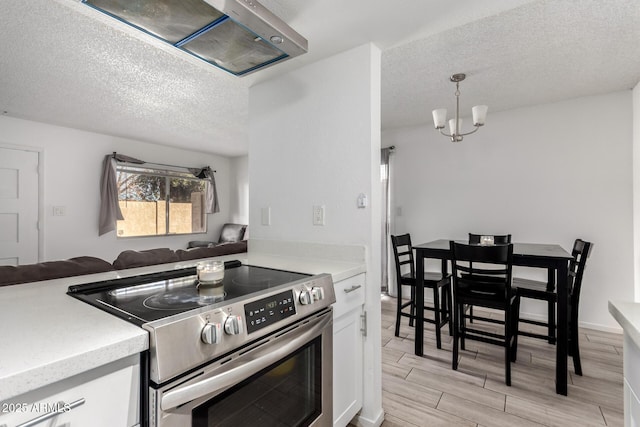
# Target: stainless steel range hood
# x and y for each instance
(238, 36)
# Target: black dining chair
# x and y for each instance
(482, 277)
(493, 239)
(539, 290)
(439, 284)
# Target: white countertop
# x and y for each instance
(339, 270)
(627, 314)
(49, 336)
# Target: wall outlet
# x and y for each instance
(318, 215)
(58, 211)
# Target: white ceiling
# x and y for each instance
(60, 63)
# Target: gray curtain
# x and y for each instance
(211, 198)
(386, 214)
(109, 208)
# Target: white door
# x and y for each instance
(18, 207)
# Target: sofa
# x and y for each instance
(230, 233)
(14, 275)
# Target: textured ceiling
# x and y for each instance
(540, 52)
(61, 63)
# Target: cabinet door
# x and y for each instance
(347, 367)
(104, 397)
(631, 354)
(631, 407)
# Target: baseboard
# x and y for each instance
(360, 421)
(602, 328)
(586, 325)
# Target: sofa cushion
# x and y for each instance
(10, 275)
(218, 250)
(201, 244)
(132, 259)
(232, 233)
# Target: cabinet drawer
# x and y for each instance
(349, 294)
(104, 397)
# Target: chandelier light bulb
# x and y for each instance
(439, 118)
(479, 113)
(455, 130)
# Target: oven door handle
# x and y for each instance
(239, 369)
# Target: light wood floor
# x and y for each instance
(425, 391)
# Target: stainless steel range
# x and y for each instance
(254, 349)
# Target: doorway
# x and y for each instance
(387, 282)
(19, 206)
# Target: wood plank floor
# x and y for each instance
(425, 391)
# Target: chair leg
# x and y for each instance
(456, 332)
(575, 349)
(462, 328)
(436, 312)
(515, 329)
(398, 309)
(470, 314)
(449, 309)
(508, 333)
(551, 319)
(412, 306)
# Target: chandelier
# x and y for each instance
(479, 113)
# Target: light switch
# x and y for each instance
(266, 216)
(318, 215)
(362, 201)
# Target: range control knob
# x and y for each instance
(211, 333)
(306, 297)
(233, 325)
(317, 293)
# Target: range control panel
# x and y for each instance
(270, 310)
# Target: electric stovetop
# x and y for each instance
(143, 299)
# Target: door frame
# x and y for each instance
(41, 222)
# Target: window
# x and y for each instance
(158, 202)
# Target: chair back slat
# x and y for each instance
(478, 268)
(498, 239)
(581, 251)
(403, 255)
(497, 253)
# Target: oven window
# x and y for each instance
(288, 393)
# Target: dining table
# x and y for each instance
(537, 255)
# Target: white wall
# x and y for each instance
(310, 145)
(315, 140)
(548, 174)
(72, 168)
(239, 197)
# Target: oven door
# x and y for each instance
(281, 380)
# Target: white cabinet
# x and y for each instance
(108, 396)
(348, 349)
(631, 354)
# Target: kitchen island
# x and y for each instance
(51, 338)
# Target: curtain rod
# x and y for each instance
(163, 164)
